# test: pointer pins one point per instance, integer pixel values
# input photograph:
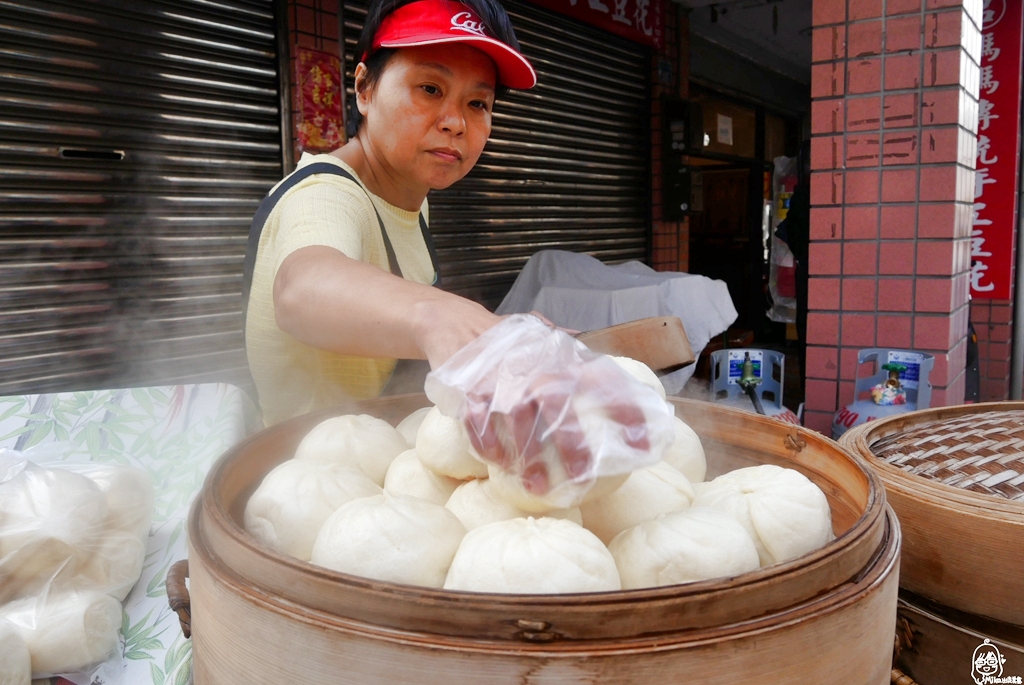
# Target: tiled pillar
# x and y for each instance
(993, 322)
(893, 121)
(669, 76)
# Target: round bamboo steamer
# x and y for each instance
(963, 549)
(262, 617)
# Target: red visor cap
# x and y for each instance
(430, 22)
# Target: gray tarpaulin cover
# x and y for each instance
(577, 291)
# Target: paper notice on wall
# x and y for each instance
(318, 79)
(724, 135)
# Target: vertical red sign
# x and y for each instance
(995, 185)
(637, 20)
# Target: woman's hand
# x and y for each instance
(444, 325)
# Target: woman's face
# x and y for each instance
(429, 115)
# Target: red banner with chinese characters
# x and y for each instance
(637, 20)
(318, 85)
(995, 184)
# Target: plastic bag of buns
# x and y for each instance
(549, 413)
(72, 545)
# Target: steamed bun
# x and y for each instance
(129, 494)
(296, 497)
(476, 504)
(642, 373)
(443, 446)
(357, 441)
(408, 476)
(49, 520)
(397, 539)
(28, 568)
(686, 454)
(532, 556)
(114, 565)
(658, 489)
(50, 503)
(410, 425)
(569, 494)
(66, 631)
(15, 662)
(696, 544)
(785, 513)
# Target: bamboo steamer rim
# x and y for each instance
(881, 565)
(797, 439)
(860, 439)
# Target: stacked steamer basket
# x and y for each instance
(955, 477)
(829, 616)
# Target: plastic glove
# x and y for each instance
(542, 406)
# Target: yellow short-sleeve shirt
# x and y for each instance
(327, 210)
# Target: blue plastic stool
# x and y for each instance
(915, 380)
(769, 366)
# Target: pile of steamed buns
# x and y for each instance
(72, 546)
(412, 505)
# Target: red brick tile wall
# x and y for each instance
(312, 24)
(993, 322)
(893, 121)
(670, 250)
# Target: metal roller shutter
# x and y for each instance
(136, 141)
(567, 163)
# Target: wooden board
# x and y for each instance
(659, 342)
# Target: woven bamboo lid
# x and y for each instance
(978, 452)
(955, 477)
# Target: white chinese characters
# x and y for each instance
(980, 280)
(638, 18)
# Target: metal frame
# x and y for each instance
(649, 247)
(1017, 344)
(343, 70)
(284, 79)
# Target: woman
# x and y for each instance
(327, 318)
(341, 281)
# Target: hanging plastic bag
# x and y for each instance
(72, 545)
(782, 269)
(549, 412)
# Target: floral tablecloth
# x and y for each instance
(174, 434)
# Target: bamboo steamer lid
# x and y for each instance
(955, 477)
(244, 594)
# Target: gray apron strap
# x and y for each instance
(407, 377)
(409, 374)
(268, 204)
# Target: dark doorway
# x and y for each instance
(725, 238)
